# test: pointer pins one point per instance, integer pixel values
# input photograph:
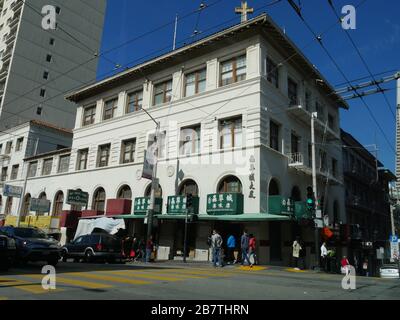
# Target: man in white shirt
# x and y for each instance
(324, 254)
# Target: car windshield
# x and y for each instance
(29, 233)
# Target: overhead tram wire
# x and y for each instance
(367, 77)
(362, 59)
(121, 45)
(319, 38)
(112, 71)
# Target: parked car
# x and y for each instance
(92, 247)
(7, 251)
(33, 244)
(389, 271)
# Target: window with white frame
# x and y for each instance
(230, 131)
(195, 82)
(110, 108)
(272, 72)
(190, 140)
(103, 155)
(135, 101)
(89, 115)
(128, 151)
(32, 169)
(162, 92)
(47, 166)
(82, 159)
(63, 163)
(233, 70)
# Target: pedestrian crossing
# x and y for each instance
(25, 285)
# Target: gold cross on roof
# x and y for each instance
(244, 10)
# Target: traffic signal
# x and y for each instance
(310, 199)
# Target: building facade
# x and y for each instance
(37, 66)
(235, 117)
(367, 201)
(24, 141)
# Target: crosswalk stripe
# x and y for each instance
(109, 278)
(134, 274)
(183, 276)
(75, 282)
(199, 272)
(23, 285)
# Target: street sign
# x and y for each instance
(39, 205)
(394, 248)
(148, 164)
(77, 197)
(12, 191)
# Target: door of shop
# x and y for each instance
(275, 236)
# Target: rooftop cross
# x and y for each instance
(244, 10)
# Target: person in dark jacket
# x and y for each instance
(244, 246)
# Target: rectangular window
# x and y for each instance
(89, 115)
(334, 168)
(103, 156)
(43, 92)
(32, 168)
(195, 82)
(233, 70)
(331, 122)
(274, 135)
(18, 146)
(45, 75)
(135, 102)
(323, 160)
(190, 140)
(49, 57)
(47, 166)
(162, 144)
(272, 73)
(63, 164)
(52, 41)
(110, 108)
(292, 92)
(308, 101)
(295, 143)
(320, 111)
(230, 132)
(82, 159)
(128, 151)
(162, 92)
(14, 172)
(4, 174)
(8, 147)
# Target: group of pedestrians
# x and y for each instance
(247, 248)
(135, 249)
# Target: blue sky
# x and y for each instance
(377, 36)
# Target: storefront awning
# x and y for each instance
(206, 217)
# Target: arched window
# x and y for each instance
(273, 189)
(27, 203)
(188, 187)
(335, 212)
(99, 200)
(296, 194)
(230, 184)
(43, 195)
(125, 192)
(8, 208)
(158, 193)
(58, 203)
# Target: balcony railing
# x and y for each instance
(296, 159)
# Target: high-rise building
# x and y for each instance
(38, 65)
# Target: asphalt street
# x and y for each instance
(175, 281)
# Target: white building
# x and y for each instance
(38, 66)
(236, 113)
(24, 141)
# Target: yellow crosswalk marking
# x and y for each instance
(183, 276)
(208, 273)
(75, 282)
(253, 268)
(23, 285)
(134, 274)
(108, 278)
(294, 270)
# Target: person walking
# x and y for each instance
(216, 245)
(244, 246)
(252, 250)
(296, 252)
(365, 267)
(231, 245)
(345, 264)
(324, 255)
(149, 248)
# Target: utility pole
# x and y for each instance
(314, 182)
(175, 31)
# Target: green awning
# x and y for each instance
(206, 217)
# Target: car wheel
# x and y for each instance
(64, 256)
(88, 256)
